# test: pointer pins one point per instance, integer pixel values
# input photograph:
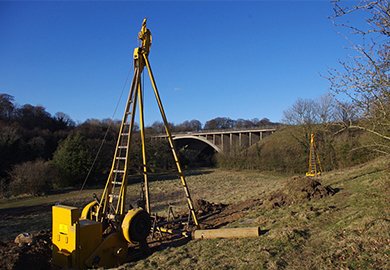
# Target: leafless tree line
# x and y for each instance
(365, 77)
(324, 110)
(359, 96)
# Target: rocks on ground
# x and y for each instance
(204, 207)
(28, 251)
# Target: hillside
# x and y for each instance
(349, 230)
(346, 227)
(287, 150)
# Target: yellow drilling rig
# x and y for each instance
(315, 167)
(100, 235)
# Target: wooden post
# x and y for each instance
(227, 233)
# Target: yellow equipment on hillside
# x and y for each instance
(100, 235)
(315, 168)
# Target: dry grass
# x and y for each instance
(34, 213)
(216, 186)
(349, 230)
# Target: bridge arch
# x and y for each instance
(178, 139)
(196, 151)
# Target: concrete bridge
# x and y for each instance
(221, 141)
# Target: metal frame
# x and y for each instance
(315, 167)
(112, 203)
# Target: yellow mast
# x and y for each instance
(112, 203)
(315, 168)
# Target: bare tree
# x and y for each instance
(219, 123)
(365, 78)
(63, 120)
(325, 109)
(302, 112)
(193, 125)
(344, 113)
(7, 106)
(159, 128)
(32, 177)
(243, 123)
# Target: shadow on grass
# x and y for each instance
(136, 254)
(22, 210)
(138, 178)
(133, 179)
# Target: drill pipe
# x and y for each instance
(227, 233)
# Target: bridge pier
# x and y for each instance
(226, 140)
(234, 141)
(244, 140)
(217, 140)
(255, 137)
(225, 145)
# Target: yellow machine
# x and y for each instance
(100, 235)
(315, 168)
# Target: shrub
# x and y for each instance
(287, 151)
(32, 177)
(73, 159)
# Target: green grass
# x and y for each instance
(349, 230)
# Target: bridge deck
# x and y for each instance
(218, 132)
(224, 140)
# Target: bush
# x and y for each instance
(287, 151)
(279, 152)
(73, 158)
(32, 177)
(3, 188)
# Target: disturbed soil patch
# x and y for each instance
(228, 214)
(299, 189)
(204, 208)
(36, 255)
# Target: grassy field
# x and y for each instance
(350, 230)
(32, 214)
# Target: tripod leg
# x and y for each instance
(170, 140)
(142, 131)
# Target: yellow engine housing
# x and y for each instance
(73, 239)
(79, 244)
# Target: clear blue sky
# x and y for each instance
(235, 59)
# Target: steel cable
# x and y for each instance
(108, 129)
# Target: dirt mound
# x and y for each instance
(204, 207)
(299, 189)
(36, 254)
